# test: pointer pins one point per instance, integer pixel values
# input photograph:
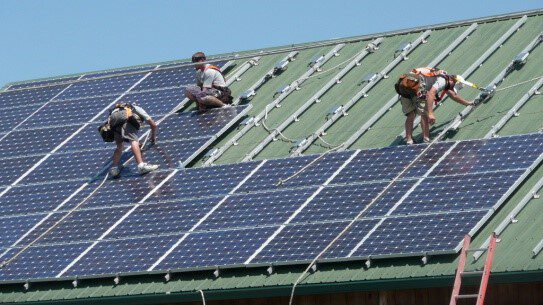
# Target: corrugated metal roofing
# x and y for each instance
(513, 254)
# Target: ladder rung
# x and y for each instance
(467, 296)
(472, 272)
(476, 250)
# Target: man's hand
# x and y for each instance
(152, 139)
(431, 118)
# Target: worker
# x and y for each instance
(210, 90)
(420, 90)
(125, 120)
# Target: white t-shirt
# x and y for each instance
(439, 83)
(144, 115)
(209, 77)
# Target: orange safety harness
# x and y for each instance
(433, 72)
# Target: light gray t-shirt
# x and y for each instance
(144, 115)
(209, 77)
(439, 83)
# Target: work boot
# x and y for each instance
(144, 168)
(114, 172)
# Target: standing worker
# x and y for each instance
(419, 91)
(125, 121)
(210, 90)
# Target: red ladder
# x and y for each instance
(485, 272)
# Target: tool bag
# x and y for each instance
(408, 85)
(118, 116)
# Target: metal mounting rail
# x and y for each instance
(538, 248)
(377, 116)
(266, 77)
(335, 80)
(270, 106)
(481, 60)
(511, 217)
(362, 93)
(246, 66)
(487, 94)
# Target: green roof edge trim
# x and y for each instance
(288, 48)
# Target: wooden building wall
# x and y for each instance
(503, 294)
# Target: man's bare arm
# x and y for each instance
(457, 98)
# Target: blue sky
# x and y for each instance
(54, 37)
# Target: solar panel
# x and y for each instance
(11, 117)
(209, 249)
(119, 71)
(13, 168)
(29, 96)
(40, 261)
(43, 83)
(171, 154)
(125, 255)
(68, 112)
(87, 139)
(100, 87)
(36, 198)
(14, 227)
(157, 102)
(35, 141)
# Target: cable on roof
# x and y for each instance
(203, 296)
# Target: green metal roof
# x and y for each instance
(513, 260)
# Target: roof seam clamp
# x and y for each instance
(404, 47)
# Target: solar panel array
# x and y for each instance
(263, 212)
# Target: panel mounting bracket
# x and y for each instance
(217, 272)
(270, 270)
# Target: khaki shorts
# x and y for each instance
(415, 104)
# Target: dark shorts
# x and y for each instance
(199, 94)
(127, 133)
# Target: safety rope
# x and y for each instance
(518, 84)
(203, 296)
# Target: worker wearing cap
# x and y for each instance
(433, 84)
(210, 90)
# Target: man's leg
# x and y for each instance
(409, 120)
(425, 126)
(212, 101)
(118, 152)
(135, 145)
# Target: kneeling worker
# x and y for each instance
(210, 90)
(126, 120)
(419, 90)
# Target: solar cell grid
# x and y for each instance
(70, 166)
(345, 202)
(120, 71)
(100, 87)
(157, 102)
(131, 188)
(12, 169)
(457, 193)
(40, 261)
(168, 155)
(163, 218)
(208, 249)
(29, 97)
(13, 228)
(87, 139)
(11, 117)
(505, 153)
(35, 198)
(68, 112)
(126, 255)
(196, 124)
(258, 209)
(34, 142)
(203, 181)
(273, 172)
(419, 233)
(43, 83)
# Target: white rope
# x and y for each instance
(518, 84)
(203, 296)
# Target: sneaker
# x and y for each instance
(114, 172)
(409, 142)
(144, 168)
(426, 140)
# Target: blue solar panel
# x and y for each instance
(504, 153)
(274, 172)
(194, 124)
(457, 193)
(131, 188)
(23, 199)
(419, 234)
(259, 209)
(29, 97)
(163, 218)
(173, 77)
(43, 83)
(126, 255)
(170, 154)
(70, 166)
(11, 117)
(345, 202)
(207, 181)
(119, 71)
(68, 112)
(100, 87)
(13, 228)
(11, 169)
(33, 142)
(157, 102)
(87, 139)
(40, 261)
(303, 242)
(208, 249)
